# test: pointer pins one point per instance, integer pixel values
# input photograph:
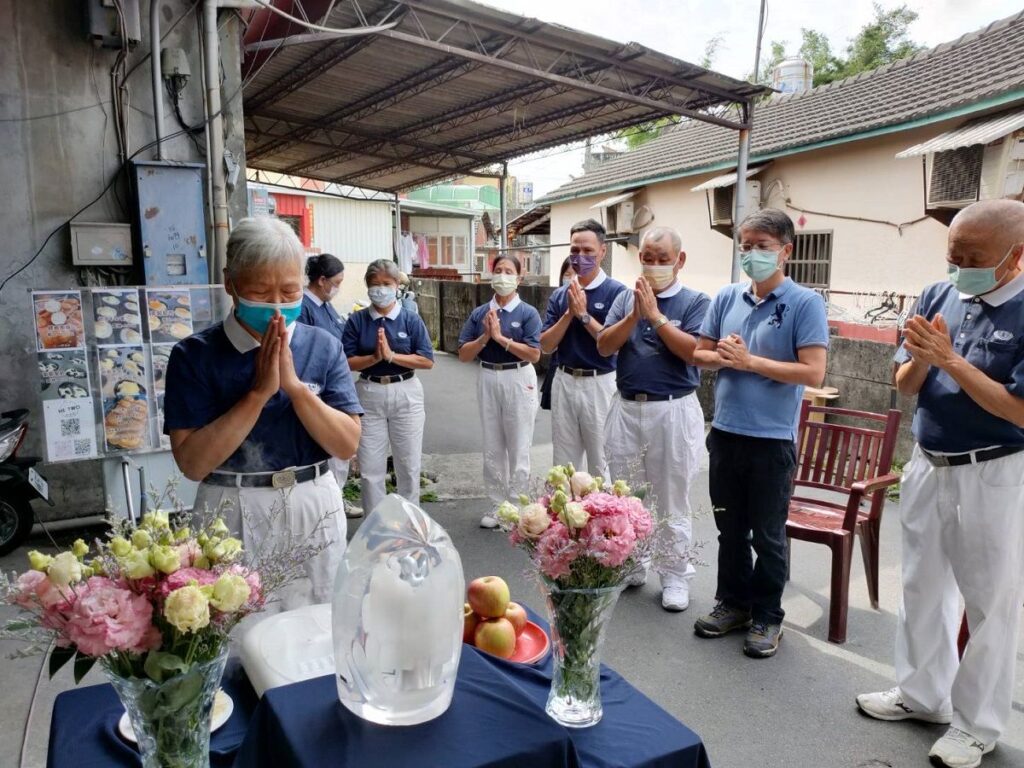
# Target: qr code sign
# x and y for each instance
(70, 428)
(83, 448)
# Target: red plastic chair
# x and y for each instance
(849, 466)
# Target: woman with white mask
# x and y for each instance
(387, 345)
(504, 335)
(256, 405)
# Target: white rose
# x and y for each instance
(533, 520)
(574, 516)
(64, 570)
(581, 484)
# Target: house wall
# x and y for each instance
(356, 232)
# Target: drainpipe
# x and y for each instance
(740, 197)
(157, 74)
(503, 205)
(215, 145)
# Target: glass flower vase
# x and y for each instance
(171, 720)
(578, 618)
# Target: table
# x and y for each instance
(496, 720)
(83, 730)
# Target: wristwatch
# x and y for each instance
(659, 322)
(585, 318)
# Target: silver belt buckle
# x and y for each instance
(577, 373)
(284, 479)
(936, 459)
(641, 398)
(385, 379)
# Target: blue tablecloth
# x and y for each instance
(83, 730)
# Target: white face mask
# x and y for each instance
(504, 285)
(660, 276)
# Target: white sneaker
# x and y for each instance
(958, 749)
(488, 521)
(675, 597)
(889, 705)
(637, 578)
(352, 512)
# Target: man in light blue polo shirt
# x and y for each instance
(767, 339)
(962, 496)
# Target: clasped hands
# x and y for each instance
(929, 342)
(492, 330)
(275, 368)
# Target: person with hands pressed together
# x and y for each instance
(655, 424)
(255, 406)
(962, 495)
(583, 383)
(504, 335)
(768, 339)
(387, 344)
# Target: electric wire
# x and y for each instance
(349, 32)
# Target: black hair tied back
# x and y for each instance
(323, 265)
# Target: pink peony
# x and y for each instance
(643, 523)
(610, 540)
(556, 551)
(36, 590)
(183, 576)
(604, 504)
(106, 617)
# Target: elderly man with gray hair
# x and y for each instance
(257, 404)
(768, 340)
(655, 426)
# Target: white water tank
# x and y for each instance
(793, 75)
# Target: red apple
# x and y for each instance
(488, 596)
(496, 636)
(517, 615)
(469, 622)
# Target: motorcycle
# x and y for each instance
(19, 482)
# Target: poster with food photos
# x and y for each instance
(63, 375)
(125, 399)
(58, 316)
(160, 354)
(70, 427)
(170, 315)
(116, 316)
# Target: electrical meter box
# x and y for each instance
(170, 237)
(101, 245)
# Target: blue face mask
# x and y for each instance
(759, 265)
(257, 314)
(976, 280)
(382, 295)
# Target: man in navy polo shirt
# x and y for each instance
(962, 497)
(255, 406)
(655, 425)
(584, 383)
(768, 340)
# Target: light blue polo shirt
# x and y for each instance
(405, 331)
(519, 322)
(578, 349)
(646, 364)
(988, 331)
(786, 320)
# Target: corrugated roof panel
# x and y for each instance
(981, 131)
(727, 179)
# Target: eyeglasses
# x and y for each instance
(748, 247)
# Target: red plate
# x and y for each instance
(531, 646)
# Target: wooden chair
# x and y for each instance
(850, 467)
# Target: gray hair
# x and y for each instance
(654, 234)
(261, 241)
(771, 221)
(386, 267)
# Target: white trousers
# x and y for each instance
(963, 529)
(660, 446)
(340, 469)
(393, 421)
(270, 519)
(508, 408)
(579, 412)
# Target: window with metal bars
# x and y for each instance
(811, 262)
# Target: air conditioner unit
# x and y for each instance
(723, 202)
(961, 176)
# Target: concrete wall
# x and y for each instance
(53, 165)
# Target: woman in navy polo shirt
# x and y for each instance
(325, 273)
(256, 405)
(387, 345)
(504, 334)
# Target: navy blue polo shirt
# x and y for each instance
(321, 315)
(519, 322)
(578, 349)
(210, 371)
(988, 331)
(406, 334)
(786, 320)
(645, 363)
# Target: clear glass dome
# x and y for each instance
(397, 618)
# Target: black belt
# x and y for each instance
(286, 478)
(389, 379)
(643, 397)
(581, 373)
(972, 457)
(502, 366)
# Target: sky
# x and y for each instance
(682, 28)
